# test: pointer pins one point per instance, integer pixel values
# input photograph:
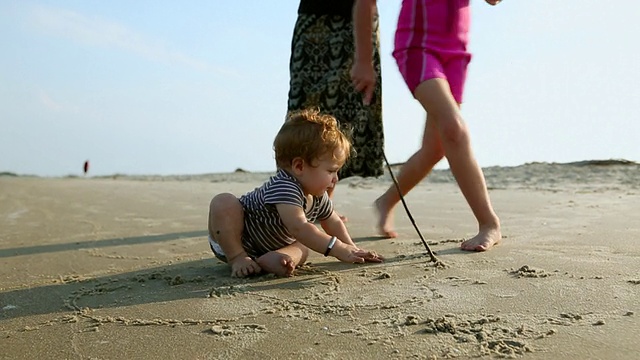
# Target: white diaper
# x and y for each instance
(217, 250)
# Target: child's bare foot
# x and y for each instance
(243, 266)
(385, 219)
(277, 263)
(485, 239)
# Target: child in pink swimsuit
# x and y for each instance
(431, 53)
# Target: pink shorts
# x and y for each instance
(431, 42)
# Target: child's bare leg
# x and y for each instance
(226, 223)
(283, 261)
(412, 172)
(435, 96)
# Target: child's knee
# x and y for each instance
(223, 202)
(454, 131)
(218, 200)
(214, 204)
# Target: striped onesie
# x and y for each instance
(264, 231)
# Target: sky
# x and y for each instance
(192, 87)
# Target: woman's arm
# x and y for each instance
(363, 75)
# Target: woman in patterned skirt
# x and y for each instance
(322, 53)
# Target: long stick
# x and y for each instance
(406, 208)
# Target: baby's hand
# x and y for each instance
(243, 266)
(351, 254)
(369, 256)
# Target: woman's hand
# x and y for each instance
(363, 77)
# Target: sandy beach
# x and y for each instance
(119, 268)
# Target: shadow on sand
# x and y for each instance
(199, 278)
(43, 249)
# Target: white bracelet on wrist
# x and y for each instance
(332, 242)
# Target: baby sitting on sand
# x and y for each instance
(272, 227)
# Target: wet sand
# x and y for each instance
(119, 267)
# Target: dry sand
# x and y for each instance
(102, 268)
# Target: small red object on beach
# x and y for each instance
(86, 167)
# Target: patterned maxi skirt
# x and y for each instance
(322, 52)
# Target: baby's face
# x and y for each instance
(322, 175)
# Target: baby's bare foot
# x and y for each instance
(244, 266)
(385, 219)
(277, 263)
(485, 239)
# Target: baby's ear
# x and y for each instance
(297, 164)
